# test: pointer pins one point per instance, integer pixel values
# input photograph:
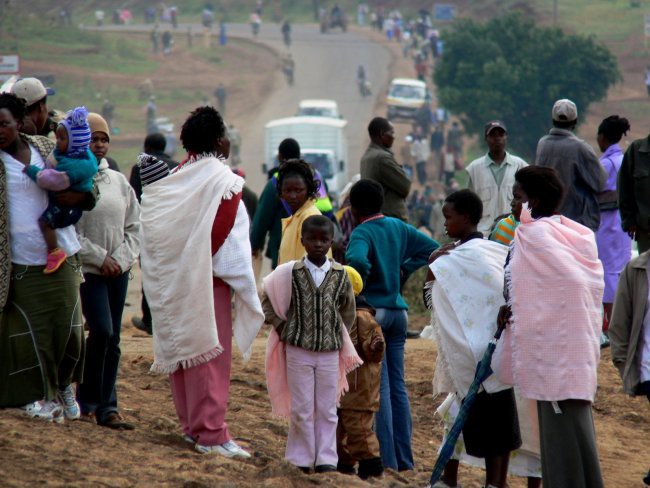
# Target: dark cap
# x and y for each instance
(493, 125)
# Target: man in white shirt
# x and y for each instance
(492, 176)
(420, 153)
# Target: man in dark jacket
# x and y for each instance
(577, 164)
(378, 163)
(154, 144)
(634, 192)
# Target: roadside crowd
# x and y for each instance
(542, 252)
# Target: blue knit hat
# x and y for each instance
(76, 124)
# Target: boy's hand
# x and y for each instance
(441, 251)
(377, 343)
(505, 314)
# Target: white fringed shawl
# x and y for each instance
(177, 215)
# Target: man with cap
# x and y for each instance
(492, 176)
(577, 164)
(35, 95)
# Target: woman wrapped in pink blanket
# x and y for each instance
(551, 349)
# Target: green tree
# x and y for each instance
(511, 70)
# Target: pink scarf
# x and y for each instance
(277, 287)
(551, 349)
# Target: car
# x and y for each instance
(405, 97)
(318, 108)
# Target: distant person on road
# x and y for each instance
(455, 139)
(155, 36)
(286, 33)
(634, 192)
(221, 94)
(154, 145)
(492, 176)
(255, 21)
(167, 41)
(378, 163)
(108, 109)
(647, 80)
(576, 162)
(152, 113)
(614, 244)
(420, 153)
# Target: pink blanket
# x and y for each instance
(551, 349)
(277, 287)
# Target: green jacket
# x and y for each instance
(378, 163)
(634, 186)
(626, 326)
(268, 220)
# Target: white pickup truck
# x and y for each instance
(323, 144)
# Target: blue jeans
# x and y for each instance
(393, 424)
(102, 303)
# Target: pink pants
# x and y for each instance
(312, 378)
(201, 393)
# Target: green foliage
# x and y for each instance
(511, 70)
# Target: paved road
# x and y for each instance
(325, 68)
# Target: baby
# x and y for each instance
(71, 166)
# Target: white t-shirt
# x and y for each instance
(26, 204)
(644, 340)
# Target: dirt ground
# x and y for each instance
(79, 454)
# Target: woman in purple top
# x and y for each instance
(614, 244)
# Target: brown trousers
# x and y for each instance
(355, 439)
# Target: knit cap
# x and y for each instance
(76, 124)
(151, 169)
(355, 279)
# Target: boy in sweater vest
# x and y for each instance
(322, 303)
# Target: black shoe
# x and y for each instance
(370, 467)
(325, 468)
(140, 324)
(304, 469)
(646, 480)
(412, 334)
(345, 468)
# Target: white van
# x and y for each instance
(318, 108)
(405, 97)
(323, 144)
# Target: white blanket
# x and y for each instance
(177, 215)
(466, 295)
(233, 263)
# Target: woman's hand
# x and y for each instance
(441, 251)
(110, 267)
(505, 314)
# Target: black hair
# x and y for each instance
(317, 222)
(565, 124)
(613, 128)
(302, 169)
(15, 105)
(202, 130)
(288, 149)
(543, 184)
(466, 202)
(378, 126)
(155, 142)
(367, 197)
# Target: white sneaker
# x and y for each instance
(67, 399)
(50, 411)
(189, 439)
(228, 449)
